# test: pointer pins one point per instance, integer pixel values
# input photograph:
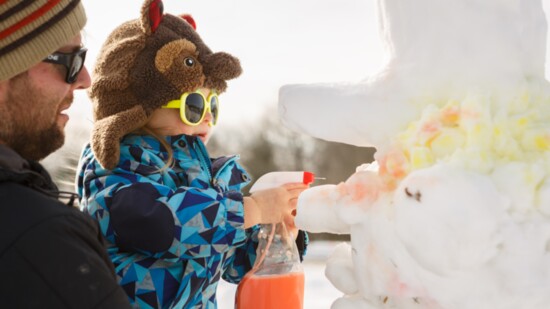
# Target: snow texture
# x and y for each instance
(455, 211)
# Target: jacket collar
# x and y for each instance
(152, 143)
(14, 168)
(11, 160)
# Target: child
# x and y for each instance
(174, 218)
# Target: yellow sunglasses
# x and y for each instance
(195, 106)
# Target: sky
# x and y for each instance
(278, 42)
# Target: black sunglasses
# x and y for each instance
(73, 62)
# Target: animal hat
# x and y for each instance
(144, 64)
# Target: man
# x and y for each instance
(51, 254)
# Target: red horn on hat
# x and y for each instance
(189, 20)
(156, 9)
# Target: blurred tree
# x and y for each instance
(273, 147)
(266, 148)
(338, 161)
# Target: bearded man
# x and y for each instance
(51, 254)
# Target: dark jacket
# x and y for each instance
(51, 255)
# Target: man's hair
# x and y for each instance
(30, 30)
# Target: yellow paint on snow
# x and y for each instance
(478, 132)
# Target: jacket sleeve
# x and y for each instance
(302, 241)
(243, 258)
(139, 213)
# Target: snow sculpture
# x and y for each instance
(455, 211)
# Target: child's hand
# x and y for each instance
(272, 205)
(290, 226)
(289, 218)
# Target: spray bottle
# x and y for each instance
(277, 278)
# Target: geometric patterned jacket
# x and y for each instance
(173, 232)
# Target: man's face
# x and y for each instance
(33, 105)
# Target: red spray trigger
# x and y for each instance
(276, 179)
(309, 178)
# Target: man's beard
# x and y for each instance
(28, 121)
(38, 144)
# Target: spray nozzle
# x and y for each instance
(276, 179)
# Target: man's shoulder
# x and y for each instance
(24, 210)
(20, 198)
(53, 253)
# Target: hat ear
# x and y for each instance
(219, 67)
(108, 132)
(189, 19)
(151, 15)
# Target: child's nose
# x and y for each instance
(208, 118)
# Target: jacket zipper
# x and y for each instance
(204, 160)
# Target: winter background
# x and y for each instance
(279, 42)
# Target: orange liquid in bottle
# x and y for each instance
(271, 292)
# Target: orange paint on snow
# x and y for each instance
(394, 165)
(430, 127)
(450, 116)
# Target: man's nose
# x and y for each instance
(83, 80)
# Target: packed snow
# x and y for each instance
(455, 211)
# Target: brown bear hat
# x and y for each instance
(144, 64)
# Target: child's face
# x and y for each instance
(167, 122)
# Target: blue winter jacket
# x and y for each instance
(172, 232)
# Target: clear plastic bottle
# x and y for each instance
(277, 279)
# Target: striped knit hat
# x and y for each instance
(32, 29)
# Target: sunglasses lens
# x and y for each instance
(76, 65)
(73, 62)
(194, 107)
(214, 106)
(75, 68)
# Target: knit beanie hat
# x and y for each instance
(31, 30)
(144, 64)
